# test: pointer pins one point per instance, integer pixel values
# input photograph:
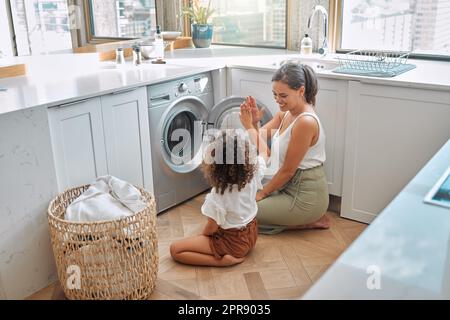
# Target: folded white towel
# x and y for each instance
(108, 198)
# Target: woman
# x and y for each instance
(296, 197)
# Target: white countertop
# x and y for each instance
(408, 246)
(434, 75)
(59, 79)
(63, 78)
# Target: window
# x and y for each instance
(5, 37)
(260, 23)
(122, 18)
(420, 26)
(40, 26)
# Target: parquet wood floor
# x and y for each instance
(281, 266)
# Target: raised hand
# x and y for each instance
(246, 116)
(257, 113)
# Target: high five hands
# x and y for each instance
(250, 114)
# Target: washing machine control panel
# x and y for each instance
(183, 87)
(195, 85)
(190, 86)
(203, 84)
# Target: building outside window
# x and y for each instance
(419, 26)
(260, 23)
(40, 26)
(122, 19)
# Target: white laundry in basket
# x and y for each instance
(108, 198)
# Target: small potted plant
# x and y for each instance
(201, 30)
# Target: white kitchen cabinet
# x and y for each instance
(219, 81)
(391, 132)
(252, 83)
(330, 106)
(78, 142)
(104, 135)
(127, 136)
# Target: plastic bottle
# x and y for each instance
(306, 45)
(159, 44)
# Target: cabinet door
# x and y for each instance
(78, 143)
(331, 106)
(127, 137)
(391, 132)
(253, 83)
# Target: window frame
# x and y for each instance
(336, 7)
(186, 20)
(10, 28)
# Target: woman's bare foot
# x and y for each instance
(322, 223)
(229, 260)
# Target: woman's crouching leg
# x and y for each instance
(279, 212)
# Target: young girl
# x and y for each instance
(235, 175)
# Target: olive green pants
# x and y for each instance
(303, 200)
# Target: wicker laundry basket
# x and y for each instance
(108, 259)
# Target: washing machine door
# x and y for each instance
(225, 114)
(181, 131)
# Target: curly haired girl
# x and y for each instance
(231, 230)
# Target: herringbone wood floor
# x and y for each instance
(281, 266)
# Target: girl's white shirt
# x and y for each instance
(235, 209)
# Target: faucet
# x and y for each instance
(324, 49)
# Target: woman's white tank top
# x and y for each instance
(314, 157)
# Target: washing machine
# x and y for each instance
(180, 113)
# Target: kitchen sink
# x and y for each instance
(317, 65)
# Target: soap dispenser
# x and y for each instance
(306, 45)
(159, 43)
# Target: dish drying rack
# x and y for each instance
(374, 63)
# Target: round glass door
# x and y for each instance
(182, 135)
(229, 119)
(179, 137)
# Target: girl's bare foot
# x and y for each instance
(229, 260)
